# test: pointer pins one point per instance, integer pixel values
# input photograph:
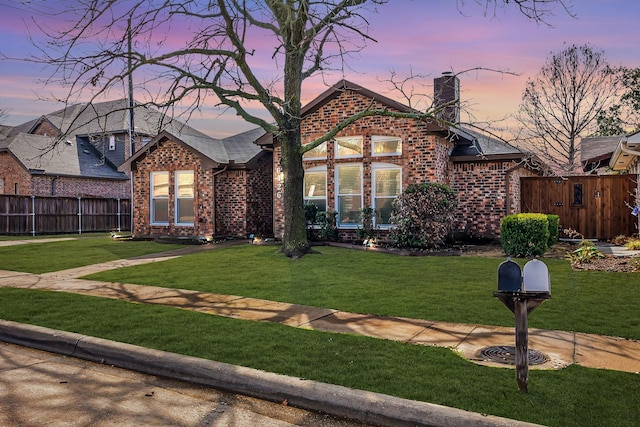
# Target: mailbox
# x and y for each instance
(536, 277)
(509, 277)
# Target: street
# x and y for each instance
(39, 388)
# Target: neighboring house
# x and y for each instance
(596, 152)
(31, 165)
(91, 140)
(369, 163)
(188, 184)
(626, 158)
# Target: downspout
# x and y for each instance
(213, 202)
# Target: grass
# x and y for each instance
(56, 256)
(570, 397)
(453, 289)
(457, 289)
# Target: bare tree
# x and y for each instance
(223, 50)
(562, 104)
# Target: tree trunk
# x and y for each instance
(295, 243)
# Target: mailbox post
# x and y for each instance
(522, 292)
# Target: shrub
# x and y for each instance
(525, 234)
(366, 216)
(633, 244)
(620, 240)
(327, 223)
(585, 253)
(423, 214)
(554, 229)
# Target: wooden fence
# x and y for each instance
(37, 215)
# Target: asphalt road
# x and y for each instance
(44, 389)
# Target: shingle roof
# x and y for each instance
(598, 147)
(38, 155)
(238, 149)
(472, 143)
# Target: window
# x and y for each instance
(112, 142)
(349, 194)
(160, 197)
(319, 152)
(1, 186)
(387, 183)
(349, 146)
(184, 198)
(386, 145)
(315, 188)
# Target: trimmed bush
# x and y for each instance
(423, 214)
(525, 234)
(554, 229)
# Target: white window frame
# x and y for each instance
(112, 142)
(338, 194)
(320, 148)
(316, 170)
(337, 146)
(153, 197)
(178, 197)
(375, 168)
(380, 138)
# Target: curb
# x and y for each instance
(364, 406)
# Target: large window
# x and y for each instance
(348, 146)
(160, 198)
(387, 183)
(184, 198)
(315, 188)
(349, 193)
(386, 145)
(317, 153)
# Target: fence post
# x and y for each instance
(79, 215)
(33, 215)
(118, 214)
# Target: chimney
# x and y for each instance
(446, 89)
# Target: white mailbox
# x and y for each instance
(536, 277)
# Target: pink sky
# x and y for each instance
(425, 37)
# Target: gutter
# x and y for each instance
(620, 149)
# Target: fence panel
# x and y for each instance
(51, 215)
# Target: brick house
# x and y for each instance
(188, 184)
(29, 166)
(91, 141)
(370, 162)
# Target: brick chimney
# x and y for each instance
(446, 88)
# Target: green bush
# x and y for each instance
(554, 229)
(525, 234)
(423, 215)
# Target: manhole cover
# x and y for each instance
(507, 354)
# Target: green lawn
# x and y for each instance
(455, 289)
(572, 397)
(56, 256)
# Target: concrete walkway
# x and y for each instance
(561, 348)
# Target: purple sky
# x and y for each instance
(425, 37)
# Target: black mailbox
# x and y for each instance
(509, 277)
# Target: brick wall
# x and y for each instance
(482, 195)
(260, 197)
(228, 202)
(13, 176)
(172, 157)
(74, 187)
(424, 155)
(46, 129)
